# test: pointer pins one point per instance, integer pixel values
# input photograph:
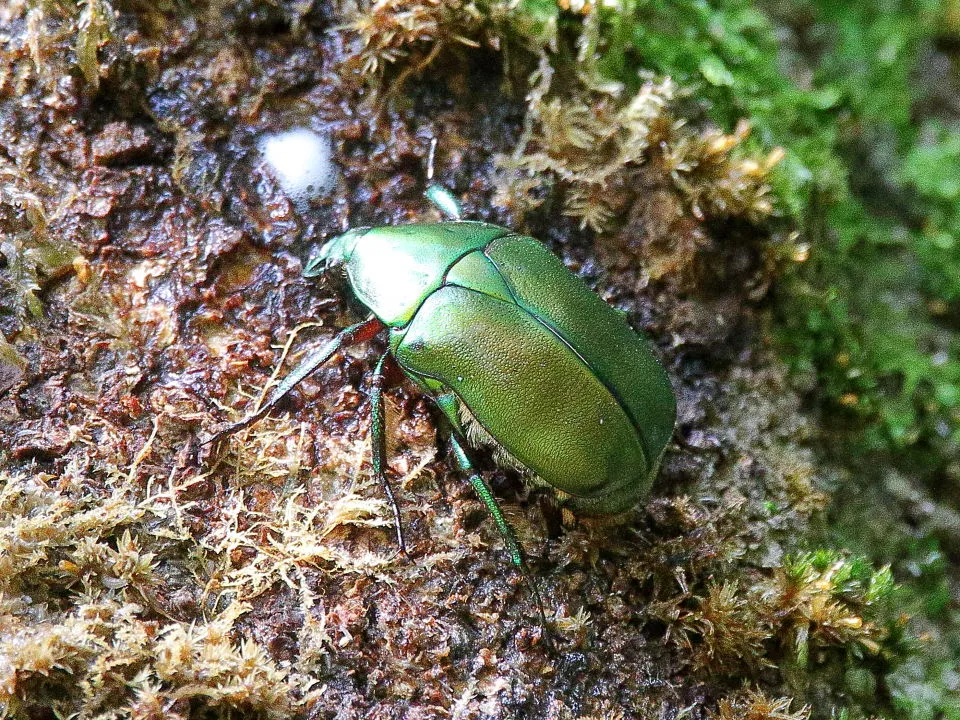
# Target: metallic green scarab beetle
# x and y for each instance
(516, 351)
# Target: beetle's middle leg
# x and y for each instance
(378, 441)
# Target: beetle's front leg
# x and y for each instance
(378, 442)
(506, 532)
(361, 332)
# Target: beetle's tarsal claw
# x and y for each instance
(214, 439)
(397, 522)
(398, 528)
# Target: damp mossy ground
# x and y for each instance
(689, 161)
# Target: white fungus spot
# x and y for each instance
(301, 160)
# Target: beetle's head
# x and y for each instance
(335, 251)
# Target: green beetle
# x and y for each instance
(517, 352)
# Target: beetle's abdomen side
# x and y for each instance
(617, 356)
(532, 392)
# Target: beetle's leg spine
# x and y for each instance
(378, 442)
(361, 332)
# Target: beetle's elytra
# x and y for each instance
(517, 352)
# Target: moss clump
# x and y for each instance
(83, 630)
(752, 705)
(823, 599)
(399, 40)
(594, 144)
(818, 605)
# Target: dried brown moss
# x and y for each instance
(753, 705)
(594, 143)
(80, 615)
(398, 40)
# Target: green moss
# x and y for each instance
(94, 29)
(30, 259)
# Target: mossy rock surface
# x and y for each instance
(150, 284)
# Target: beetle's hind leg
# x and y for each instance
(378, 442)
(506, 532)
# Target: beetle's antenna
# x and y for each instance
(444, 201)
